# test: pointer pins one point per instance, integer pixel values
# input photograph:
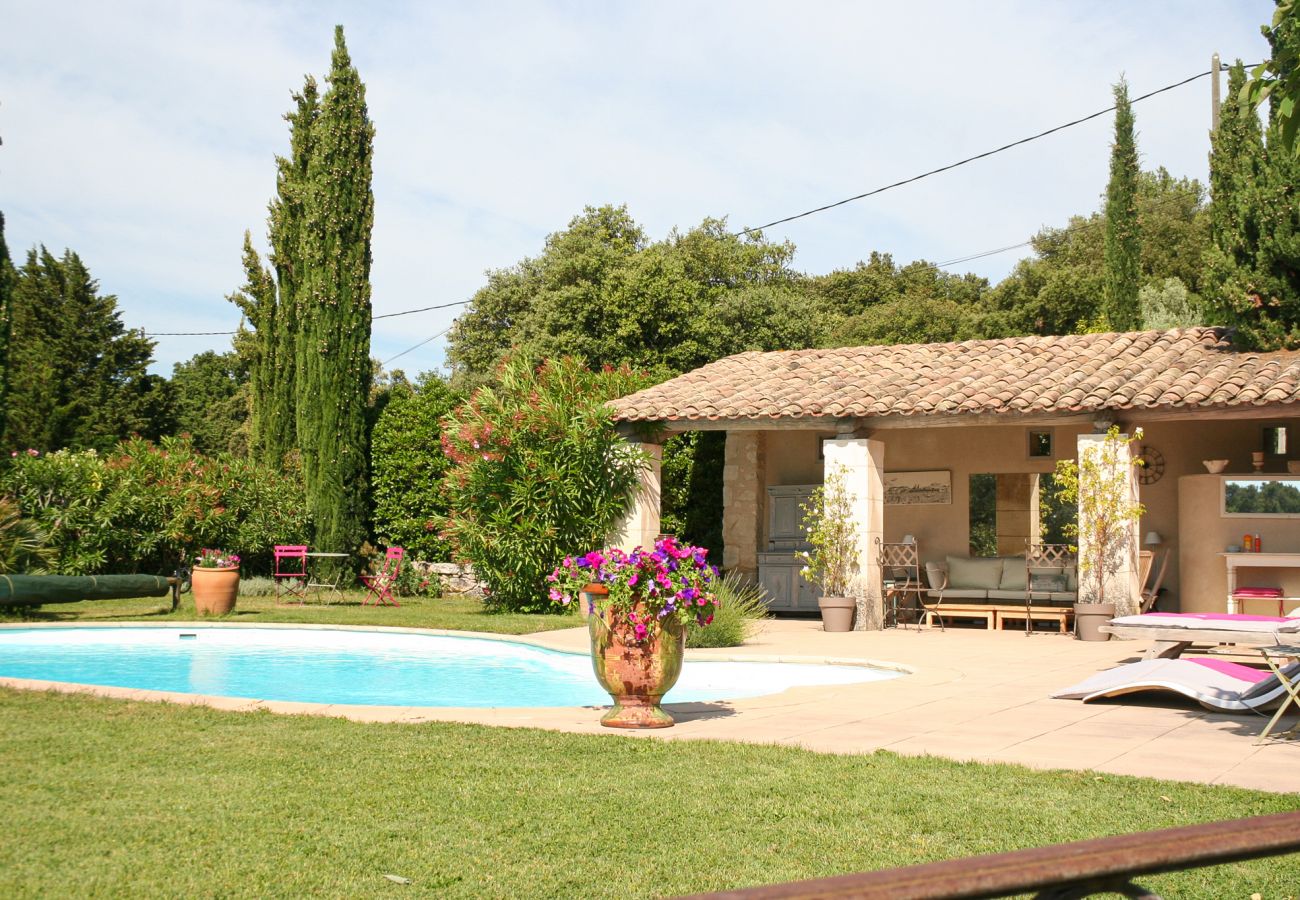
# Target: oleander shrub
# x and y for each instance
(741, 606)
(537, 473)
(146, 507)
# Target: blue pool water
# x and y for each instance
(365, 667)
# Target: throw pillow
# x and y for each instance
(974, 574)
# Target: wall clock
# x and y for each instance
(1151, 465)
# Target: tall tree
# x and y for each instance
(208, 395)
(270, 300)
(1123, 244)
(288, 214)
(7, 279)
(271, 428)
(332, 382)
(1253, 268)
(1278, 77)
(79, 376)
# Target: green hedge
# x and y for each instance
(144, 507)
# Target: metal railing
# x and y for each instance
(1061, 871)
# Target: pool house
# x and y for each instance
(953, 444)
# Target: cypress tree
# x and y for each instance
(7, 279)
(333, 348)
(1123, 244)
(271, 303)
(266, 361)
(286, 233)
(1253, 269)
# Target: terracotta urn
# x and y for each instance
(636, 674)
(215, 589)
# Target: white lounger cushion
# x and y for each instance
(1212, 683)
(1216, 623)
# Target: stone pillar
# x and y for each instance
(640, 526)
(862, 462)
(743, 484)
(1121, 586)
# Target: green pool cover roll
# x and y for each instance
(28, 590)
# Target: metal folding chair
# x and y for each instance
(289, 571)
(380, 585)
(1054, 557)
(900, 566)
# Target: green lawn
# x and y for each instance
(116, 798)
(456, 613)
(112, 798)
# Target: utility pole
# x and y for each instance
(1215, 66)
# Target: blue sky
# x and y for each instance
(142, 135)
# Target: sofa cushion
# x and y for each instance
(1014, 596)
(1072, 578)
(936, 573)
(960, 594)
(1065, 597)
(1013, 574)
(974, 574)
(1047, 578)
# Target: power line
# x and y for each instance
(971, 159)
(185, 333)
(418, 346)
(407, 312)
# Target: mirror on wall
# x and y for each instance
(1010, 509)
(1261, 496)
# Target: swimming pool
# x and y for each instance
(369, 668)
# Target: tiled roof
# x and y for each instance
(1187, 368)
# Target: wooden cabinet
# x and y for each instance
(778, 568)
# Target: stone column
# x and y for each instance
(640, 526)
(862, 462)
(1123, 582)
(1016, 515)
(743, 483)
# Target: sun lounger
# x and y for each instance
(1214, 683)
(1175, 632)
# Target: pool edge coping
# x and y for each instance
(415, 714)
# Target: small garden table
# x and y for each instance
(331, 582)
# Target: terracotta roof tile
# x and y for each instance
(1183, 368)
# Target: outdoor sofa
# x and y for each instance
(997, 589)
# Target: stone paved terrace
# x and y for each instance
(971, 695)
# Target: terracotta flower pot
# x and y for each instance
(837, 613)
(215, 590)
(1088, 619)
(636, 674)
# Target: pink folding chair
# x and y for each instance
(380, 586)
(290, 571)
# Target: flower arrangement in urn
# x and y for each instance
(216, 559)
(638, 604)
(215, 581)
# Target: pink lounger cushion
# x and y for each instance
(1232, 669)
(1273, 593)
(1214, 622)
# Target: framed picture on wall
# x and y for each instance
(918, 488)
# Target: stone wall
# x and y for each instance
(454, 578)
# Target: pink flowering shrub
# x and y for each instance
(537, 471)
(646, 588)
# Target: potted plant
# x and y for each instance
(215, 582)
(1100, 483)
(638, 605)
(832, 562)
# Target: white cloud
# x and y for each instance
(143, 135)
